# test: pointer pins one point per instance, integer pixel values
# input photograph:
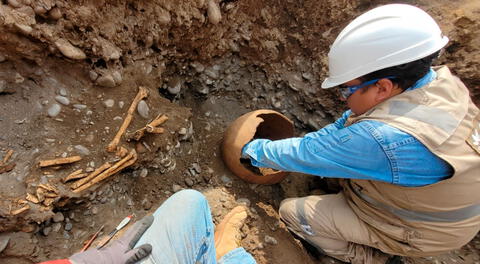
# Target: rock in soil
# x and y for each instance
(58, 217)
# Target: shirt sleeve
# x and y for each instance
(346, 152)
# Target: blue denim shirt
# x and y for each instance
(369, 150)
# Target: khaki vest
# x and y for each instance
(423, 221)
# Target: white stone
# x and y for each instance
(79, 106)
(82, 150)
(143, 109)
(54, 110)
(62, 92)
(109, 103)
(175, 87)
(62, 99)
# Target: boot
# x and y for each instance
(227, 234)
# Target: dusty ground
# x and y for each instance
(87, 59)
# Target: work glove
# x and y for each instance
(120, 252)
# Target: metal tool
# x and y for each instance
(122, 224)
(87, 245)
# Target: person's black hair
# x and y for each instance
(406, 74)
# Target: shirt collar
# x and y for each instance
(426, 79)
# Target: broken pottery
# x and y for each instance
(263, 123)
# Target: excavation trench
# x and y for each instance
(70, 71)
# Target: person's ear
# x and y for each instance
(385, 89)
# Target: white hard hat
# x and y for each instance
(383, 37)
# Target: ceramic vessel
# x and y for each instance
(263, 123)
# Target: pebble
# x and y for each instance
(212, 73)
(182, 131)
(106, 81)
(46, 230)
(55, 13)
(244, 201)
(54, 110)
(117, 77)
(144, 172)
(58, 217)
(146, 204)
(93, 75)
(2, 58)
(198, 67)
(260, 245)
(68, 50)
(94, 210)
(19, 78)
(225, 179)
(196, 167)
(164, 17)
(80, 106)
(176, 188)
(68, 226)
(270, 240)
(39, 10)
(14, 3)
(189, 182)
(174, 86)
(121, 104)
(213, 11)
(82, 150)
(109, 103)
(143, 109)
(62, 99)
(4, 242)
(56, 227)
(62, 92)
(3, 85)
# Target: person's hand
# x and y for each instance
(120, 252)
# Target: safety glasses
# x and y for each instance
(346, 91)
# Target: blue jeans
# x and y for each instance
(182, 233)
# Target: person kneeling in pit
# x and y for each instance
(407, 152)
(180, 231)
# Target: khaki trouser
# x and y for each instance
(328, 223)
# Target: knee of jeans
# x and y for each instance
(190, 196)
(287, 209)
